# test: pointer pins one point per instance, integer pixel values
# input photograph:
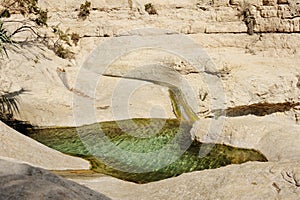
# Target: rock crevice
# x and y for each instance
(258, 109)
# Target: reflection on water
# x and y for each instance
(141, 136)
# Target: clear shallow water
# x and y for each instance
(141, 136)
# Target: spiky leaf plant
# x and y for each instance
(9, 102)
(5, 38)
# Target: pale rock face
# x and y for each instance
(250, 180)
(273, 136)
(251, 2)
(21, 181)
(189, 17)
(75, 4)
(15, 146)
(259, 71)
(49, 97)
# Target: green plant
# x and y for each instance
(63, 39)
(5, 13)
(61, 35)
(62, 52)
(25, 7)
(8, 105)
(84, 10)
(30, 7)
(21, 6)
(42, 18)
(5, 38)
(149, 8)
(75, 38)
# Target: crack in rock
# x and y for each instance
(275, 185)
(258, 109)
(291, 177)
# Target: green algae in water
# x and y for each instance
(140, 137)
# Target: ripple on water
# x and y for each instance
(141, 136)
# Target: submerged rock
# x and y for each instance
(142, 150)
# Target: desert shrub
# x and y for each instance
(42, 18)
(62, 52)
(25, 7)
(5, 13)
(21, 6)
(75, 38)
(30, 8)
(84, 10)
(150, 9)
(6, 38)
(61, 35)
(59, 46)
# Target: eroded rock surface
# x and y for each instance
(251, 180)
(260, 75)
(19, 147)
(21, 182)
(274, 136)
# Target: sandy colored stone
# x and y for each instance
(21, 181)
(49, 96)
(262, 77)
(274, 136)
(251, 180)
(182, 16)
(249, 58)
(258, 69)
(15, 146)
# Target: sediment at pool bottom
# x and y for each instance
(142, 150)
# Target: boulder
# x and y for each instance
(252, 180)
(274, 136)
(22, 181)
(15, 146)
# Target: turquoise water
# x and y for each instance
(119, 148)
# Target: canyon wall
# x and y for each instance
(254, 48)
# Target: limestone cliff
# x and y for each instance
(253, 50)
